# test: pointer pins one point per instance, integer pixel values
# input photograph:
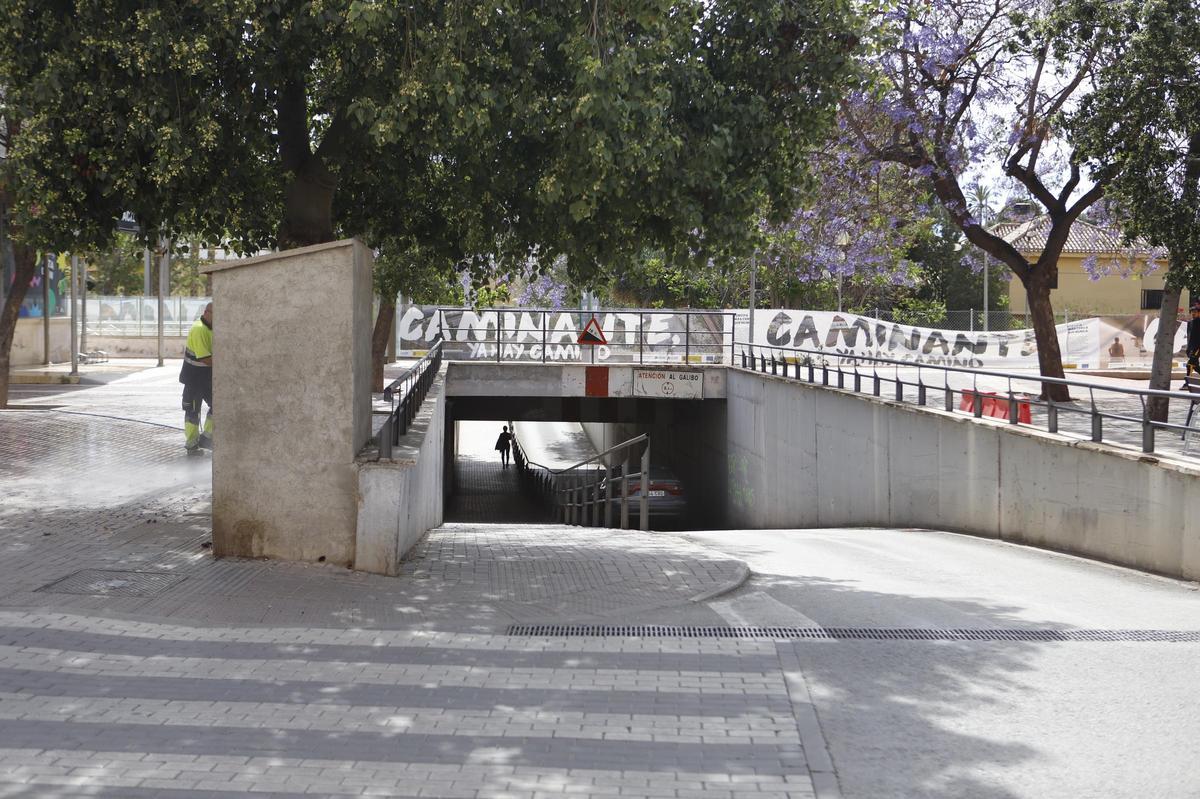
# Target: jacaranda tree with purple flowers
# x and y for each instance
(965, 84)
(857, 225)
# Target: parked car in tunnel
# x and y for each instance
(666, 500)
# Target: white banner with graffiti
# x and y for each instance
(513, 334)
(1094, 343)
(668, 336)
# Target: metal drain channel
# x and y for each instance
(852, 633)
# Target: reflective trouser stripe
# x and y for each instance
(191, 431)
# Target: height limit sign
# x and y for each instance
(668, 383)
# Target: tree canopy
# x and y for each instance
(480, 129)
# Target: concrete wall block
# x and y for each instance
(852, 460)
(291, 380)
(28, 346)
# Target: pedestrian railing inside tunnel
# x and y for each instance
(406, 393)
(1110, 414)
(542, 335)
(593, 492)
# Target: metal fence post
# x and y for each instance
(641, 338)
(687, 338)
(1147, 429)
(644, 500)
(1097, 424)
(596, 498)
(1051, 415)
(625, 491)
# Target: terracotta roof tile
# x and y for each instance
(1030, 237)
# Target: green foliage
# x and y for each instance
(481, 132)
(950, 272)
(1140, 129)
(918, 311)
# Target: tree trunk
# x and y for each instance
(308, 209)
(1037, 291)
(379, 339)
(1164, 346)
(25, 262)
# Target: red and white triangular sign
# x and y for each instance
(592, 334)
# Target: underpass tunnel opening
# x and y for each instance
(687, 480)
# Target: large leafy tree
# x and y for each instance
(1140, 130)
(967, 84)
(591, 130)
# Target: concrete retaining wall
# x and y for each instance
(803, 456)
(28, 347)
(401, 499)
(137, 346)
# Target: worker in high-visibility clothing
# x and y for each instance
(196, 376)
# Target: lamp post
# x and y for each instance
(843, 243)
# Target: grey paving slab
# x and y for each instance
(229, 678)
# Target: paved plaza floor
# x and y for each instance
(134, 664)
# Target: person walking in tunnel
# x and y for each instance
(503, 445)
(196, 376)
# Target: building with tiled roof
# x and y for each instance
(1127, 286)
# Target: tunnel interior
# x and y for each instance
(686, 440)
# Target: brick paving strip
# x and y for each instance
(271, 679)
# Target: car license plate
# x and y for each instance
(658, 493)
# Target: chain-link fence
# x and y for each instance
(970, 319)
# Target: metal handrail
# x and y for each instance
(574, 501)
(754, 357)
(406, 393)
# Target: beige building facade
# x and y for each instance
(1125, 289)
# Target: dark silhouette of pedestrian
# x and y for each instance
(504, 445)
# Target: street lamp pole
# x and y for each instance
(843, 243)
(985, 292)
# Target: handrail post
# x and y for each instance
(1147, 428)
(1051, 415)
(641, 338)
(644, 499)
(499, 332)
(607, 495)
(595, 499)
(625, 492)
(687, 337)
(569, 499)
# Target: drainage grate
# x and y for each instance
(101, 582)
(853, 633)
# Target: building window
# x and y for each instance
(1151, 299)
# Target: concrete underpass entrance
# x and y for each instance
(485, 491)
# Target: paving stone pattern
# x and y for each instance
(239, 677)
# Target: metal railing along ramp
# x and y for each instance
(1110, 413)
(582, 494)
(406, 393)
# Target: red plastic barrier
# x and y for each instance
(994, 405)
